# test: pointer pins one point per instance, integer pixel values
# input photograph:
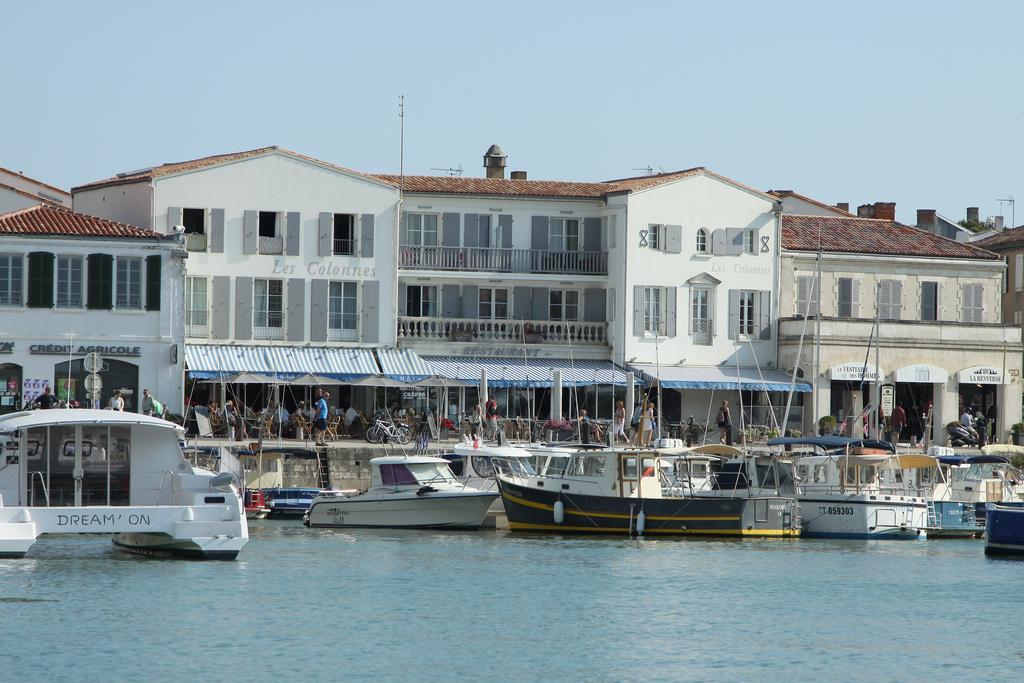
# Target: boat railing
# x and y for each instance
(854, 490)
(42, 483)
(160, 491)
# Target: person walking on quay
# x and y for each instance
(474, 419)
(151, 406)
(899, 421)
(619, 422)
(46, 400)
(236, 422)
(492, 418)
(116, 402)
(320, 421)
(724, 421)
(647, 425)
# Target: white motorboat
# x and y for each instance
(69, 471)
(475, 466)
(415, 492)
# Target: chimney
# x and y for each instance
(865, 211)
(997, 222)
(494, 162)
(925, 218)
(972, 214)
(518, 175)
(843, 206)
(885, 210)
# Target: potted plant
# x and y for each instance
(827, 425)
(533, 334)
(1015, 432)
(460, 333)
(564, 428)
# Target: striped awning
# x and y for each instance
(210, 361)
(513, 372)
(719, 377)
(403, 364)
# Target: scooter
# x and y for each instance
(961, 436)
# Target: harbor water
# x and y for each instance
(302, 604)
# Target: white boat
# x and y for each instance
(415, 492)
(69, 471)
(475, 467)
(847, 490)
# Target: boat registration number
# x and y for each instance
(835, 510)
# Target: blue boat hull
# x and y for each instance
(1004, 529)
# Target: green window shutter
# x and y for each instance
(100, 279)
(153, 283)
(40, 279)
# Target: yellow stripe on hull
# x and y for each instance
(526, 526)
(615, 515)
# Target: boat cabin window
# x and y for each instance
(649, 468)
(820, 474)
(482, 465)
(270, 465)
(699, 469)
(396, 474)
(457, 464)
(860, 474)
(629, 467)
(587, 466)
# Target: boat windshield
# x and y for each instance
(410, 474)
(587, 466)
(551, 465)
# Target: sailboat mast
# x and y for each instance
(878, 377)
(817, 339)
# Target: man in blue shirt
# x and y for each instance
(320, 420)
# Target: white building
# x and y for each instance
(18, 191)
(72, 284)
(942, 343)
(291, 264)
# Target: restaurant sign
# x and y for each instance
(855, 372)
(981, 374)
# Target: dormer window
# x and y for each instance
(702, 241)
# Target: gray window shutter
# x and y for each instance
(522, 303)
(243, 308)
(484, 231)
(450, 304)
(217, 231)
(403, 299)
(674, 239)
(638, 310)
(292, 239)
(470, 301)
(897, 299)
(250, 232)
(591, 234)
(765, 314)
(855, 298)
(220, 307)
(403, 230)
(366, 233)
(689, 311)
(319, 308)
(593, 305)
(323, 234)
(174, 217)
(450, 230)
(540, 303)
(718, 242)
(938, 301)
(711, 311)
(734, 241)
(471, 231)
(734, 314)
(296, 312)
(539, 236)
(927, 300)
(370, 307)
(670, 311)
(505, 222)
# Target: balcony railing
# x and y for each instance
(344, 247)
(195, 241)
(504, 260)
(511, 331)
(702, 331)
(271, 245)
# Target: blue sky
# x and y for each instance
(913, 102)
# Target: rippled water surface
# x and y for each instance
(312, 605)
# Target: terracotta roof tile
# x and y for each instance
(171, 168)
(870, 236)
(55, 220)
(1013, 237)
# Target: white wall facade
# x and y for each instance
(41, 191)
(15, 201)
(130, 203)
(39, 339)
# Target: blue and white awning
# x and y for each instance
(719, 377)
(210, 361)
(403, 365)
(513, 372)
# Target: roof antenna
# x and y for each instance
(453, 172)
(646, 169)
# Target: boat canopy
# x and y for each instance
(914, 462)
(831, 442)
(988, 459)
(1002, 449)
(84, 416)
(719, 449)
(955, 460)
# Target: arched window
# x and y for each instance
(702, 241)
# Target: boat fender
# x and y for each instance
(641, 519)
(559, 512)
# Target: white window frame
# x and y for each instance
(70, 287)
(560, 309)
(197, 318)
(488, 303)
(750, 241)
(337, 245)
(559, 237)
(428, 301)
(701, 245)
(264, 313)
(700, 303)
(420, 231)
(128, 283)
(652, 308)
(655, 236)
(12, 284)
(342, 324)
(748, 313)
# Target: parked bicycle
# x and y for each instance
(386, 431)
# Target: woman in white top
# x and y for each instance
(116, 402)
(647, 428)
